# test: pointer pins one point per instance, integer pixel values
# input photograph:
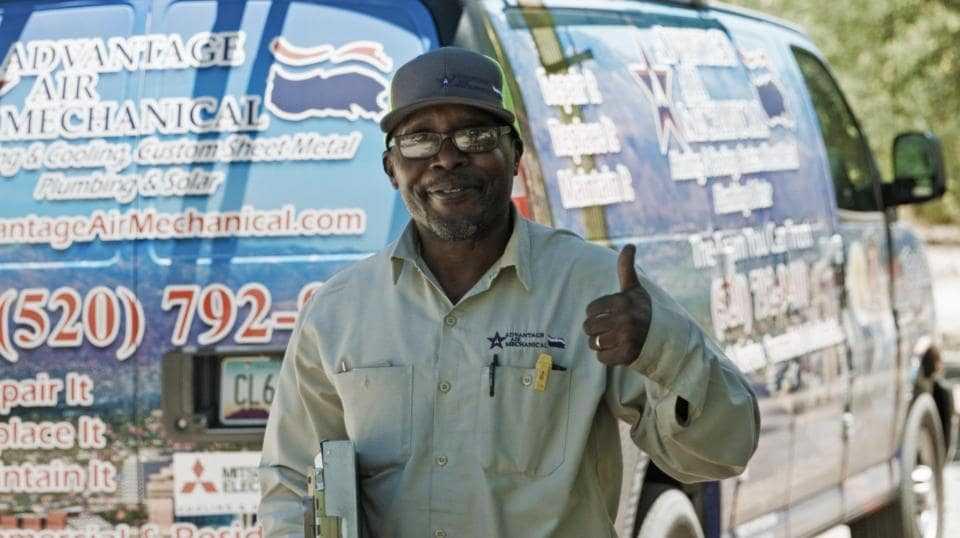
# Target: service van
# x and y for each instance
(177, 177)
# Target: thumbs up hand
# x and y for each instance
(617, 324)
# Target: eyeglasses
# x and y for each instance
(470, 140)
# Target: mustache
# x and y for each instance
(456, 180)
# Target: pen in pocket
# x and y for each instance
(493, 369)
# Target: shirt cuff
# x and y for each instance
(676, 356)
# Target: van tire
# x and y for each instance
(666, 512)
(922, 445)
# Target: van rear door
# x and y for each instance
(292, 140)
(71, 323)
(249, 172)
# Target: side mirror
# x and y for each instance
(919, 174)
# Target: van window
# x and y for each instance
(650, 124)
(851, 166)
(219, 130)
(53, 179)
(311, 157)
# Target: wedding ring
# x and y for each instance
(596, 342)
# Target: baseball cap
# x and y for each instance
(448, 75)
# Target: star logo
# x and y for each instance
(496, 340)
(657, 83)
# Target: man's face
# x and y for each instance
(456, 196)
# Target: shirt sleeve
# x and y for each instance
(306, 410)
(689, 407)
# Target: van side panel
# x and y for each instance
(879, 392)
(818, 399)
(913, 292)
(670, 128)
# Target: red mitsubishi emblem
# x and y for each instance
(198, 469)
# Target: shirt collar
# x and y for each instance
(516, 254)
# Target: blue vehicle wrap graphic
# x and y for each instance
(716, 144)
(348, 93)
(176, 176)
(721, 178)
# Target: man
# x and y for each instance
(481, 361)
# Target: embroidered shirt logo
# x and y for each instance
(496, 340)
(526, 339)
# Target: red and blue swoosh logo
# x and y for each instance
(340, 82)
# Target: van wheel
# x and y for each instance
(917, 511)
(665, 512)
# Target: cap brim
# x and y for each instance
(394, 117)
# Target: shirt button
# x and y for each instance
(442, 461)
(527, 380)
(444, 387)
(450, 320)
(440, 533)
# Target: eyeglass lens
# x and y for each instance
(470, 140)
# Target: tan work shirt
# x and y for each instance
(382, 357)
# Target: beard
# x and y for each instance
(452, 228)
(494, 202)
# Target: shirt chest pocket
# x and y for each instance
(522, 429)
(377, 413)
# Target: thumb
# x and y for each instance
(626, 270)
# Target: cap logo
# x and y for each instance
(467, 82)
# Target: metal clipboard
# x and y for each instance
(332, 505)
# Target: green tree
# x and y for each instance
(898, 61)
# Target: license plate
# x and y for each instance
(247, 386)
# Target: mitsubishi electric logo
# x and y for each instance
(214, 483)
(198, 470)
